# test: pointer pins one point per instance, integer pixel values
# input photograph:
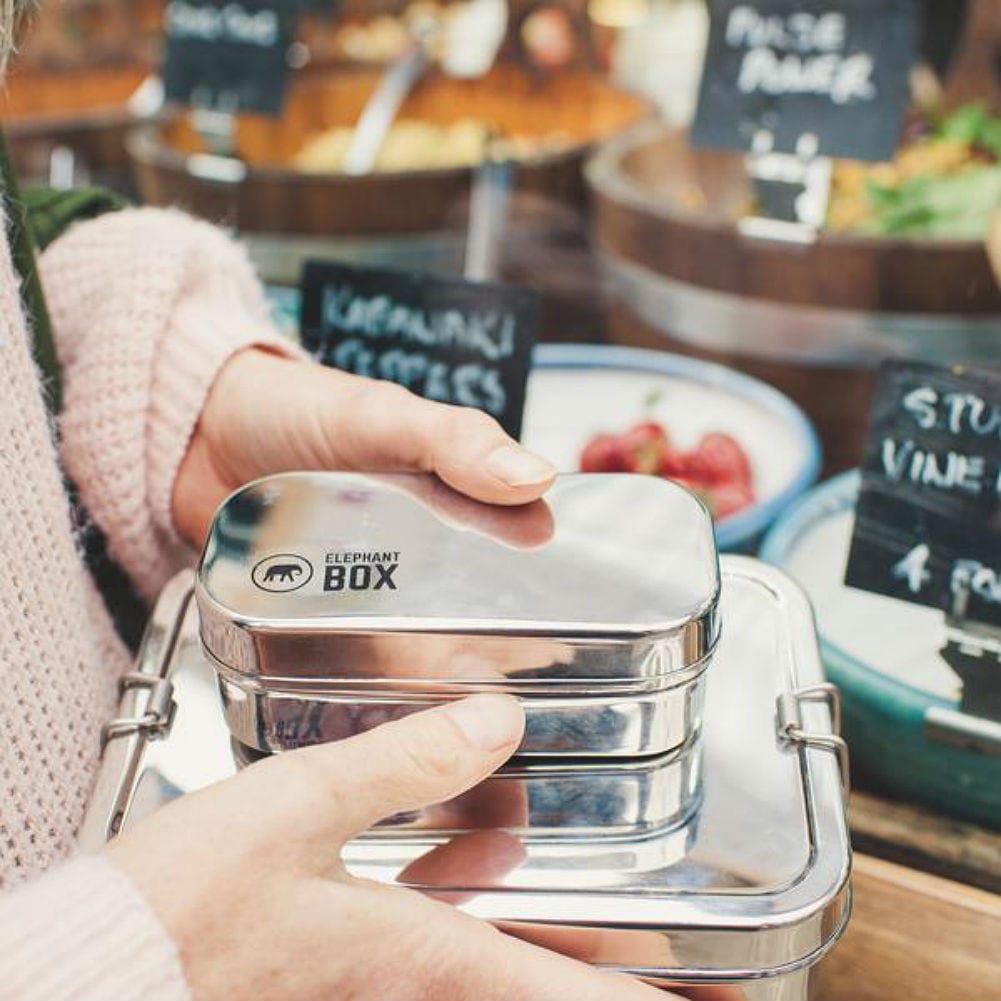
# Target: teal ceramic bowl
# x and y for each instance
(883, 655)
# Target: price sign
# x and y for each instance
(449, 340)
(837, 70)
(928, 521)
(229, 55)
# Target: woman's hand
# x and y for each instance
(247, 876)
(268, 414)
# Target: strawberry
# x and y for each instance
(719, 459)
(674, 466)
(607, 453)
(718, 471)
(647, 442)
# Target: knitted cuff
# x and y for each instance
(84, 933)
(206, 331)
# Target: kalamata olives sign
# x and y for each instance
(229, 55)
(928, 521)
(837, 70)
(455, 341)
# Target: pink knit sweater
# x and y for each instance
(146, 306)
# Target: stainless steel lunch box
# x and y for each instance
(331, 602)
(745, 896)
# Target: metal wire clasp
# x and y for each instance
(158, 714)
(791, 730)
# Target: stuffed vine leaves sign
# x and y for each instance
(928, 521)
(454, 341)
(837, 69)
(229, 55)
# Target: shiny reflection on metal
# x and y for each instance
(752, 891)
(770, 855)
(340, 599)
(157, 714)
(626, 725)
(555, 799)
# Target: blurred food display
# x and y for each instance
(417, 145)
(945, 181)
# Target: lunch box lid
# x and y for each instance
(602, 560)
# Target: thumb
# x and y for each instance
(338, 790)
(378, 426)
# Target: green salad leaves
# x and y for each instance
(954, 204)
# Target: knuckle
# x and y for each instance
(390, 395)
(431, 755)
(472, 423)
(371, 397)
(307, 770)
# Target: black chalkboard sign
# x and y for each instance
(229, 55)
(928, 521)
(445, 339)
(837, 70)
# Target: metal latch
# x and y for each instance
(146, 712)
(158, 714)
(791, 730)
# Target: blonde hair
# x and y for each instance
(10, 12)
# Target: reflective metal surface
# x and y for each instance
(557, 799)
(770, 853)
(273, 719)
(329, 601)
(752, 890)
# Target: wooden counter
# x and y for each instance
(914, 937)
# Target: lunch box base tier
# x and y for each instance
(547, 799)
(612, 726)
(743, 898)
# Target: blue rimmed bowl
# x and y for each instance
(579, 390)
(883, 655)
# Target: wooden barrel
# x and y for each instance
(267, 194)
(85, 110)
(411, 219)
(813, 319)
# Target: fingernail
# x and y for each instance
(518, 467)
(489, 722)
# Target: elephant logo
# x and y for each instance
(282, 572)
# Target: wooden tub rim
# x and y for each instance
(604, 177)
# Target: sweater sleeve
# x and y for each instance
(146, 306)
(83, 932)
